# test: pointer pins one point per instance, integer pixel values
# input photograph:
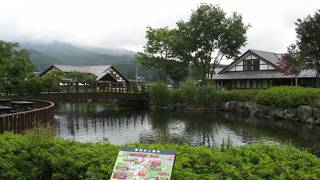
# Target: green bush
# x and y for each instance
(159, 95)
(206, 96)
(31, 86)
(188, 92)
(38, 156)
(192, 95)
(288, 96)
(239, 95)
(177, 97)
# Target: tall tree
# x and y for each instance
(157, 50)
(308, 33)
(292, 63)
(210, 36)
(15, 66)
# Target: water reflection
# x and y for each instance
(94, 122)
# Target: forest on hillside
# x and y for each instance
(43, 55)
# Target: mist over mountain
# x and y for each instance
(68, 54)
(109, 50)
(43, 55)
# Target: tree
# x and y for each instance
(15, 67)
(157, 50)
(203, 41)
(308, 34)
(292, 63)
(80, 76)
(210, 35)
(31, 86)
(50, 81)
(176, 70)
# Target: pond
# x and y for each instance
(96, 122)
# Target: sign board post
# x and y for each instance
(142, 164)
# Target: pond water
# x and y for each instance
(96, 122)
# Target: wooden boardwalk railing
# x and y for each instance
(103, 87)
(43, 112)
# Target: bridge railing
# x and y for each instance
(42, 112)
(103, 87)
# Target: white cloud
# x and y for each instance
(122, 23)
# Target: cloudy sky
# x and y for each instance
(122, 23)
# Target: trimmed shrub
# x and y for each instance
(35, 157)
(159, 95)
(239, 95)
(288, 96)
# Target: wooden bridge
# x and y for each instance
(122, 92)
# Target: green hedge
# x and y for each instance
(192, 95)
(42, 156)
(288, 96)
(239, 95)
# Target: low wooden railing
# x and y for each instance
(103, 87)
(42, 113)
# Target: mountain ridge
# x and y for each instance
(45, 54)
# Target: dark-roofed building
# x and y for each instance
(103, 72)
(259, 69)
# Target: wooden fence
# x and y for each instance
(42, 113)
(103, 87)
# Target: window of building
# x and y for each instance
(251, 64)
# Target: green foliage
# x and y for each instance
(177, 98)
(316, 103)
(210, 35)
(157, 51)
(239, 95)
(177, 71)
(159, 95)
(308, 33)
(207, 35)
(286, 96)
(190, 94)
(50, 81)
(189, 91)
(79, 76)
(280, 96)
(292, 63)
(193, 95)
(31, 86)
(15, 67)
(39, 155)
(72, 76)
(207, 96)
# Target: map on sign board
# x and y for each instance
(143, 164)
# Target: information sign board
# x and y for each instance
(143, 164)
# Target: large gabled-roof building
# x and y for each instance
(259, 69)
(103, 72)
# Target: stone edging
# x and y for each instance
(303, 113)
